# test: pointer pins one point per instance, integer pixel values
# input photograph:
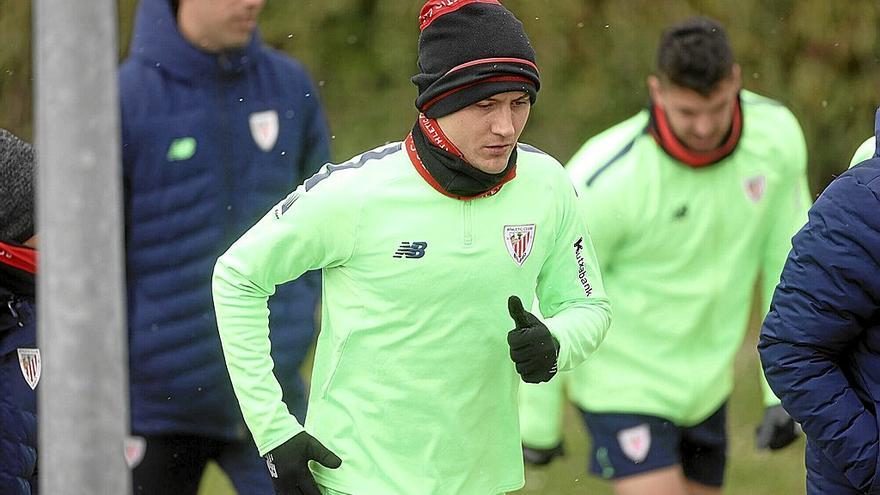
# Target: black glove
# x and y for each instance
(289, 464)
(542, 457)
(777, 430)
(532, 347)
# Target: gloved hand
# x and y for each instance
(542, 457)
(777, 430)
(532, 347)
(289, 464)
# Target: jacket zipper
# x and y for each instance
(468, 222)
(223, 96)
(229, 212)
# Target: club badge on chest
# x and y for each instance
(755, 187)
(31, 366)
(519, 240)
(264, 129)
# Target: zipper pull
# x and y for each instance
(224, 62)
(11, 305)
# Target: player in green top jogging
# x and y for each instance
(427, 248)
(687, 203)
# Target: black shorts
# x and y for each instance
(629, 444)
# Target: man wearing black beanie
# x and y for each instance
(428, 249)
(19, 355)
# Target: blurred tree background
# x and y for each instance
(819, 57)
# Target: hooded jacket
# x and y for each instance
(210, 143)
(820, 343)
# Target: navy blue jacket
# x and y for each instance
(820, 343)
(196, 178)
(18, 399)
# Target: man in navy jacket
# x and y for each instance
(216, 128)
(820, 343)
(19, 355)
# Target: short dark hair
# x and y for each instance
(695, 54)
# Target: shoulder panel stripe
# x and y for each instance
(759, 100)
(530, 148)
(616, 157)
(362, 160)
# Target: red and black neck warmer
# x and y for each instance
(18, 268)
(470, 50)
(662, 132)
(443, 166)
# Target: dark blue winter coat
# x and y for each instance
(201, 164)
(19, 372)
(820, 343)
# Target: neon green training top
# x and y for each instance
(864, 152)
(680, 250)
(413, 386)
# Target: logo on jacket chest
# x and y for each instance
(31, 366)
(519, 240)
(411, 250)
(264, 129)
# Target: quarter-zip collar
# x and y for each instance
(661, 131)
(443, 166)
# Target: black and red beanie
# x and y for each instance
(470, 50)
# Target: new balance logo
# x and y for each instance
(415, 249)
(680, 213)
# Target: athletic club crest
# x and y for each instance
(29, 361)
(135, 448)
(519, 240)
(755, 187)
(635, 442)
(264, 128)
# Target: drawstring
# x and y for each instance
(10, 304)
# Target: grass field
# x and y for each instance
(749, 472)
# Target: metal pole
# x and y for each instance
(83, 392)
